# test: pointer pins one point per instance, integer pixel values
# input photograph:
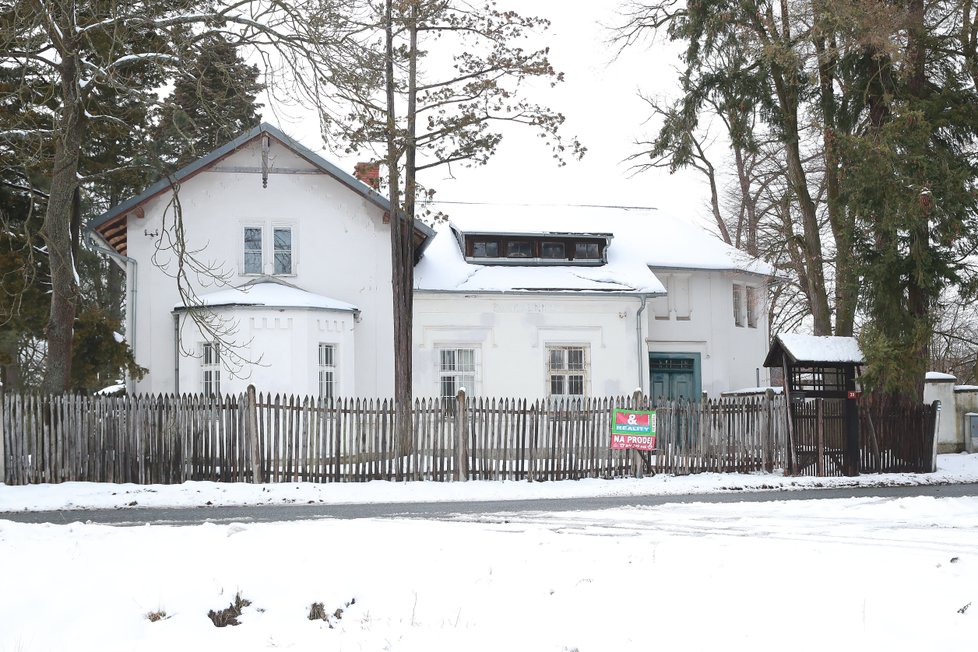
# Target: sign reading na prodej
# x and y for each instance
(633, 429)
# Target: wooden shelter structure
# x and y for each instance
(820, 375)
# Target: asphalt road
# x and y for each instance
(130, 516)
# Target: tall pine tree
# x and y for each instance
(210, 105)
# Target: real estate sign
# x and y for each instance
(633, 429)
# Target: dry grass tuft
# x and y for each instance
(229, 616)
(318, 612)
(154, 616)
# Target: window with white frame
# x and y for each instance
(567, 370)
(738, 305)
(282, 249)
(253, 263)
(751, 301)
(210, 368)
(457, 368)
(327, 370)
(262, 246)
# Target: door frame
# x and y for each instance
(697, 369)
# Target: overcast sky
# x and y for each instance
(601, 103)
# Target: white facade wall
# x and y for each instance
(340, 247)
(511, 333)
(284, 345)
(697, 316)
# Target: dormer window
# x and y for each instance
(586, 250)
(485, 249)
(519, 249)
(535, 249)
(552, 250)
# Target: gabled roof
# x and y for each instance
(111, 225)
(813, 350)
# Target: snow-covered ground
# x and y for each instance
(866, 573)
(79, 495)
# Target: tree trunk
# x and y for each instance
(918, 296)
(401, 268)
(57, 230)
(812, 246)
(405, 348)
(846, 283)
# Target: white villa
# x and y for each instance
(292, 274)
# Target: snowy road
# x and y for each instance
(450, 510)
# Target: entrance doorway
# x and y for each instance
(675, 376)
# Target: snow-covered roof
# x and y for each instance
(642, 238)
(270, 293)
(937, 376)
(814, 348)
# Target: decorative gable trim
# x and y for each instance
(111, 225)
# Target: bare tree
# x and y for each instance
(78, 53)
(394, 93)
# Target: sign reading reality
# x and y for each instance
(633, 429)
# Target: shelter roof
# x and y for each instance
(813, 350)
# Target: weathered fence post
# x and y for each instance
(3, 437)
(461, 438)
(636, 456)
(767, 429)
(251, 429)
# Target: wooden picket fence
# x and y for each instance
(259, 438)
(893, 438)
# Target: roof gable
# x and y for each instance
(111, 225)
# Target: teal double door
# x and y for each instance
(675, 376)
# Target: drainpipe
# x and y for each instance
(130, 267)
(638, 342)
(176, 354)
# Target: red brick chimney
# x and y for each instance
(368, 173)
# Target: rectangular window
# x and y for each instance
(738, 305)
(485, 249)
(456, 369)
(586, 250)
(567, 368)
(282, 249)
(210, 367)
(552, 250)
(519, 249)
(262, 246)
(751, 307)
(327, 370)
(252, 250)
